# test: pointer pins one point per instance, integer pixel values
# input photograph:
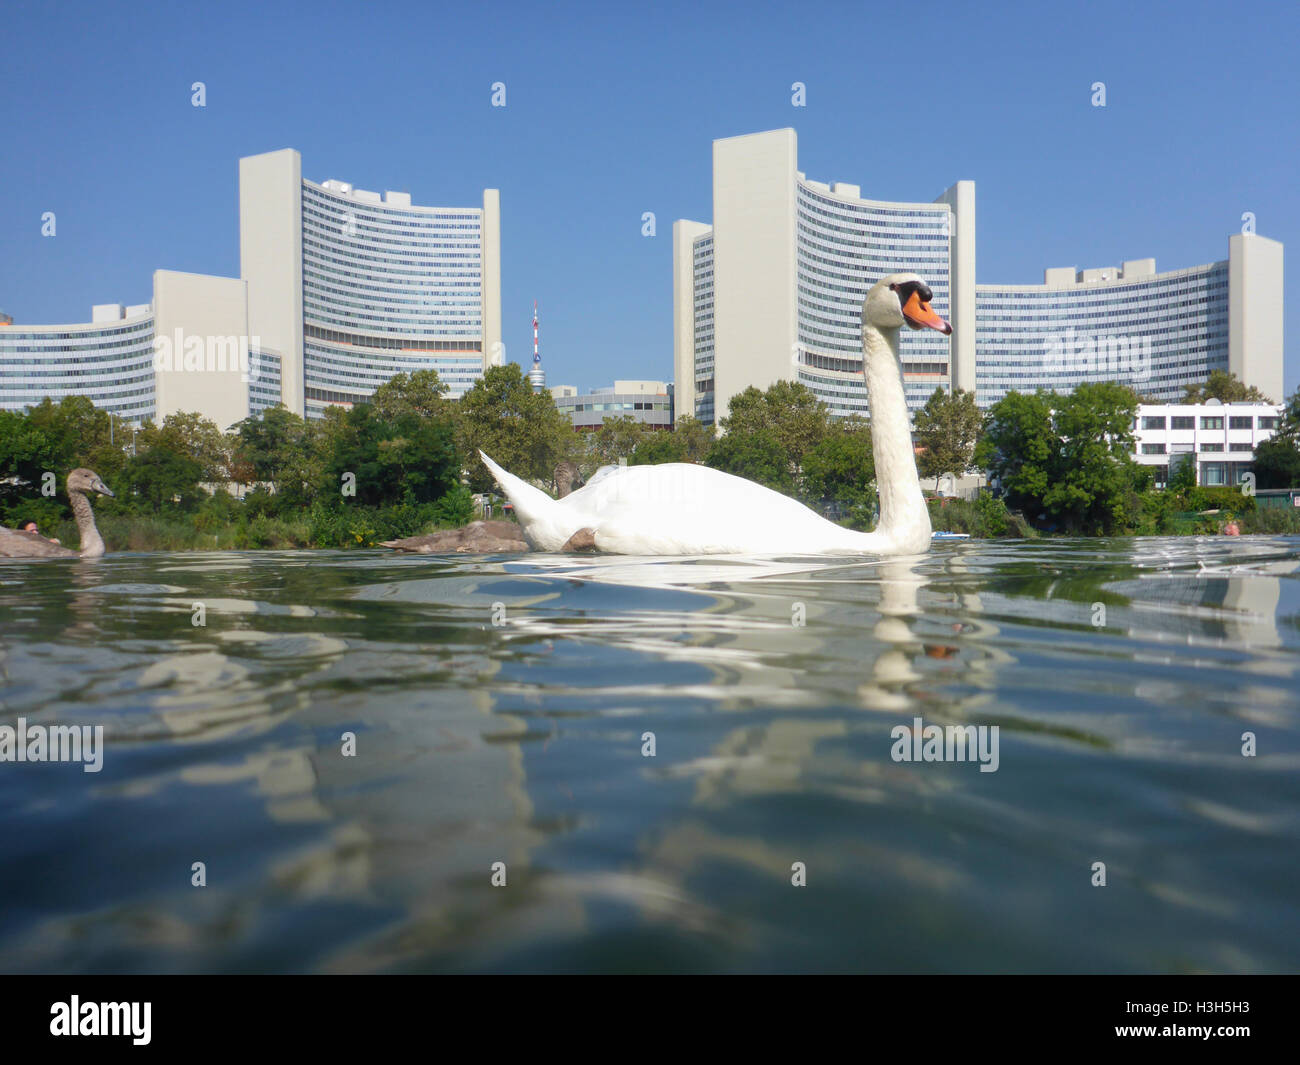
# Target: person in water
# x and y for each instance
(1231, 528)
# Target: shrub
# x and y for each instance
(1220, 497)
(1271, 521)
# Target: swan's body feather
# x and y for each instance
(681, 509)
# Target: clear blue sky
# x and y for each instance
(611, 112)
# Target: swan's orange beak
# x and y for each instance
(919, 315)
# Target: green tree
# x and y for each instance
(420, 393)
(656, 448)
(689, 441)
(1095, 477)
(1067, 456)
(947, 428)
(695, 438)
(1277, 459)
(162, 479)
(278, 446)
(191, 435)
(788, 412)
(1182, 473)
(1018, 448)
(1225, 387)
(840, 467)
(522, 431)
(617, 438)
(408, 459)
(756, 455)
(56, 438)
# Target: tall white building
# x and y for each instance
(340, 289)
(350, 287)
(773, 288)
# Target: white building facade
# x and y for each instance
(340, 289)
(1220, 438)
(648, 402)
(350, 288)
(773, 288)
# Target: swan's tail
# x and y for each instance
(541, 516)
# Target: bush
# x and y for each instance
(985, 518)
(454, 509)
(1220, 497)
(1154, 513)
(1272, 521)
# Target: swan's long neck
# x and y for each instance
(92, 544)
(903, 513)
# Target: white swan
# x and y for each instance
(682, 509)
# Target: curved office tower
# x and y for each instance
(772, 290)
(188, 350)
(1153, 332)
(349, 288)
(109, 360)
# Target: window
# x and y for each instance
(1268, 422)
(1211, 447)
(1153, 449)
(1180, 422)
(1212, 473)
(1212, 423)
(1246, 422)
(1154, 423)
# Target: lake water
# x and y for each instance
(500, 708)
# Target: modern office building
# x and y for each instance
(773, 288)
(1220, 438)
(187, 350)
(340, 290)
(349, 287)
(650, 402)
(1154, 331)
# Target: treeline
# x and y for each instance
(407, 462)
(391, 467)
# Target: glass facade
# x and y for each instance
(844, 246)
(1155, 333)
(263, 381)
(703, 260)
(387, 289)
(110, 363)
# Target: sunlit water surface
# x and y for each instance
(500, 706)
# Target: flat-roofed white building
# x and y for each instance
(1155, 332)
(650, 402)
(1220, 438)
(189, 349)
